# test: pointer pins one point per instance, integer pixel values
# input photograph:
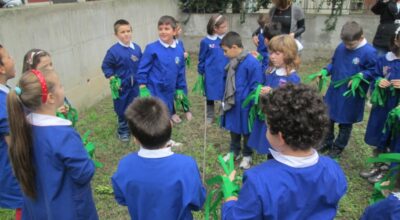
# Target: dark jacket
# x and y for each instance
(388, 14)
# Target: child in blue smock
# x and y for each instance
(47, 154)
(387, 78)
(10, 192)
(156, 183)
(354, 57)
(243, 76)
(121, 62)
(162, 68)
(388, 208)
(259, 39)
(280, 72)
(212, 62)
(180, 45)
(297, 183)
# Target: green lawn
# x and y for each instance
(102, 121)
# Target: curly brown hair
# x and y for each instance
(299, 113)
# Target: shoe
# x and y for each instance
(228, 155)
(335, 152)
(123, 138)
(371, 172)
(176, 119)
(172, 143)
(246, 162)
(378, 177)
(323, 148)
(189, 116)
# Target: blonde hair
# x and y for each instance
(286, 45)
(21, 150)
(282, 4)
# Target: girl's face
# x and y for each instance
(57, 95)
(166, 33)
(222, 29)
(8, 67)
(277, 59)
(45, 63)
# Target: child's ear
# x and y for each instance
(50, 98)
(2, 69)
(281, 139)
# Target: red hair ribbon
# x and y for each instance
(43, 84)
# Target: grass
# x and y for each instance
(101, 120)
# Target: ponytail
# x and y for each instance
(20, 149)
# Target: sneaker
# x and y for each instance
(378, 177)
(246, 163)
(189, 116)
(335, 152)
(176, 119)
(123, 138)
(370, 172)
(173, 143)
(323, 148)
(227, 156)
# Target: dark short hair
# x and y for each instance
(167, 20)
(149, 122)
(230, 39)
(299, 113)
(120, 23)
(262, 20)
(351, 31)
(215, 21)
(271, 30)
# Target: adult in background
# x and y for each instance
(389, 12)
(290, 16)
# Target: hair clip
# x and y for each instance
(217, 19)
(33, 54)
(18, 90)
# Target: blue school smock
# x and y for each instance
(388, 67)
(10, 192)
(248, 75)
(258, 140)
(123, 62)
(164, 187)
(274, 190)
(212, 62)
(181, 46)
(63, 172)
(387, 209)
(346, 63)
(162, 70)
(263, 50)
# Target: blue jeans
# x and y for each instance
(343, 137)
(123, 128)
(235, 145)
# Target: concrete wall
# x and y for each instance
(317, 43)
(77, 35)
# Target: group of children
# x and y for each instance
(262, 102)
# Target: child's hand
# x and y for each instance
(232, 175)
(254, 53)
(291, 34)
(63, 109)
(255, 40)
(185, 55)
(384, 83)
(396, 83)
(265, 90)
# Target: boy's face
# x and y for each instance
(166, 33)
(351, 45)
(124, 34)
(8, 67)
(232, 52)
